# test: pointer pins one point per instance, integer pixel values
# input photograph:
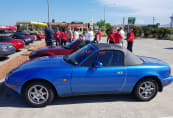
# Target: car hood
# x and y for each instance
(51, 48)
(14, 41)
(153, 60)
(50, 62)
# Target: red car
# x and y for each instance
(38, 36)
(18, 44)
(68, 49)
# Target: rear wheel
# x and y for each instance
(38, 94)
(146, 89)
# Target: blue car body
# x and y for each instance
(69, 79)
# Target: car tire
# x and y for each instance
(38, 38)
(146, 89)
(38, 94)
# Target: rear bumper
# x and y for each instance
(167, 81)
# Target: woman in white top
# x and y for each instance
(90, 35)
(75, 34)
(86, 35)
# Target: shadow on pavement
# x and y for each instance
(10, 99)
(169, 48)
(18, 51)
(3, 58)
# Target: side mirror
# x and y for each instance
(98, 64)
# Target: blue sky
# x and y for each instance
(84, 10)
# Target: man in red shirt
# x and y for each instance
(118, 37)
(130, 40)
(57, 36)
(64, 38)
(110, 38)
(98, 36)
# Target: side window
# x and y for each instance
(108, 58)
(111, 58)
(90, 61)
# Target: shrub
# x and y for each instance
(137, 31)
(147, 32)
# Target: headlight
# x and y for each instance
(10, 46)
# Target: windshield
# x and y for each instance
(69, 46)
(77, 57)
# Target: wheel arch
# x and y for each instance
(39, 79)
(152, 77)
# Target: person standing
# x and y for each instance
(86, 34)
(49, 36)
(130, 40)
(57, 36)
(69, 35)
(98, 36)
(90, 35)
(75, 34)
(64, 37)
(118, 38)
(123, 34)
(110, 38)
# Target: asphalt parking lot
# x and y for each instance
(101, 106)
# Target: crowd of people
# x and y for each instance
(117, 37)
(61, 37)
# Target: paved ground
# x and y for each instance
(107, 106)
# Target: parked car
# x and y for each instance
(38, 36)
(18, 44)
(94, 69)
(68, 49)
(27, 40)
(6, 49)
(25, 33)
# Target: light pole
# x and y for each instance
(171, 26)
(104, 14)
(154, 18)
(48, 12)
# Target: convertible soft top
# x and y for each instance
(129, 58)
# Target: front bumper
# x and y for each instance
(15, 85)
(7, 52)
(167, 81)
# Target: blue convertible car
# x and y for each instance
(94, 69)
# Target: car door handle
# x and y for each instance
(120, 72)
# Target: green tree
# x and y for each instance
(108, 26)
(101, 24)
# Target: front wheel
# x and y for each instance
(38, 94)
(146, 89)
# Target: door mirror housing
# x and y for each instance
(98, 64)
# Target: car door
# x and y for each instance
(109, 78)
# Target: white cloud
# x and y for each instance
(143, 8)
